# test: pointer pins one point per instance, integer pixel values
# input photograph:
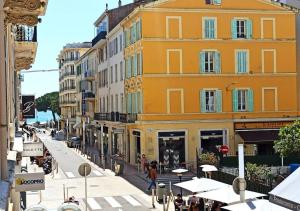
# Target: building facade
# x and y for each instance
(67, 83)
(18, 37)
(228, 78)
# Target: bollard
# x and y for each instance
(170, 185)
(111, 164)
(164, 202)
(94, 158)
(153, 198)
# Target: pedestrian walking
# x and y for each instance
(178, 202)
(144, 163)
(152, 175)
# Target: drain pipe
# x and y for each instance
(3, 105)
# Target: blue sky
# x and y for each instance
(66, 21)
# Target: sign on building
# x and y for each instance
(29, 182)
(28, 106)
(33, 149)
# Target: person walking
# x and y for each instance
(144, 163)
(152, 176)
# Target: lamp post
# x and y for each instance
(179, 173)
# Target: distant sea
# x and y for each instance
(42, 117)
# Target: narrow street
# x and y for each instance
(105, 191)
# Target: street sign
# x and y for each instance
(236, 185)
(84, 169)
(29, 181)
(33, 149)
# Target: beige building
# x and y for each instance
(18, 38)
(67, 82)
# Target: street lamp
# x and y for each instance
(179, 173)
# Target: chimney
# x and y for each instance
(120, 3)
(106, 7)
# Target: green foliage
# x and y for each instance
(48, 101)
(257, 172)
(208, 158)
(289, 140)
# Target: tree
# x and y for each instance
(48, 101)
(289, 140)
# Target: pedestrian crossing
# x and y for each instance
(123, 203)
(94, 173)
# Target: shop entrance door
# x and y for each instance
(137, 142)
(171, 149)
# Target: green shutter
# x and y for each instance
(250, 100)
(129, 67)
(217, 1)
(137, 30)
(217, 65)
(235, 100)
(125, 35)
(132, 65)
(202, 101)
(141, 63)
(249, 29)
(212, 29)
(135, 65)
(233, 29)
(202, 62)
(206, 29)
(219, 101)
(134, 33)
(129, 108)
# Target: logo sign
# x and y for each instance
(28, 106)
(33, 149)
(84, 169)
(29, 181)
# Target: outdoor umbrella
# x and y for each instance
(209, 168)
(256, 205)
(227, 195)
(200, 185)
(287, 192)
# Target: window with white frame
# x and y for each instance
(209, 28)
(242, 61)
(111, 75)
(242, 100)
(211, 101)
(241, 28)
(210, 62)
(121, 71)
(116, 73)
(215, 2)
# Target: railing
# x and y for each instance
(100, 36)
(116, 117)
(66, 74)
(89, 95)
(26, 34)
(67, 88)
(67, 102)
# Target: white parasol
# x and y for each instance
(200, 185)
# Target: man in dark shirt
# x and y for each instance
(178, 202)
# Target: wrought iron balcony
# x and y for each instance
(26, 34)
(100, 36)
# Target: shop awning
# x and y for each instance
(258, 135)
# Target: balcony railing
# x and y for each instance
(100, 36)
(89, 95)
(67, 88)
(67, 102)
(116, 117)
(26, 34)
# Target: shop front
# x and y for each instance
(259, 136)
(212, 139)
(171, 145)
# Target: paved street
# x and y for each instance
(105, 191)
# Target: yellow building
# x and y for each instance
(206, 73)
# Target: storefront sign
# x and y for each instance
(260, 125)
(29, 182)
(33, 149)
(28, 106)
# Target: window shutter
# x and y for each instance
(212, 29)
(141, 63)
(245, 62)
(206, 29)
(135, 65)
(219, 100)
(136, 109)
(125, 38)
(139, 102)
(233, 29)
(217, 65)
(129, 67)
(235, 100)
(137, 30)
(217, 1)
(250, 100)
(202, 62)
(134, 33)
(139, 27)
(202, 101)
(129, 103)
(249, 29)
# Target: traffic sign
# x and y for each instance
(84, 169)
